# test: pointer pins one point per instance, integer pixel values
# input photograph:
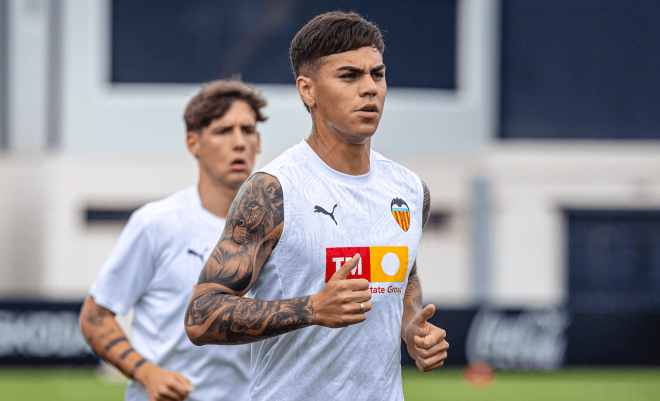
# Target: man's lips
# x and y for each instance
(369, 110)
(238, 165)
(367, 114)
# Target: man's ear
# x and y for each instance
(306, 90)
(193, 142)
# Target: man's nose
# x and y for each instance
(238, 139)
(368, 87)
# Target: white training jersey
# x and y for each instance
(153, 268)
(328, 217)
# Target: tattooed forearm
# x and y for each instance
(412, 299)
(125, 353)
(426, 208)
(216, 313)
(413, 295)
(115, 342)
(237, 320)
(108, 341)
(136, 367)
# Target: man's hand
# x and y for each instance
(163, 385)
(338, 304)
(426, 343)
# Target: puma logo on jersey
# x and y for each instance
(200, 256)
(319, 209)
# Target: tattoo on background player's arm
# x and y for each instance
(96, 316)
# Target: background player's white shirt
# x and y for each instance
(153, 268)
(359, 362)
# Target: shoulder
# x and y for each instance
(291, 157)
(394, 169)
(162, 210)
(400, 173)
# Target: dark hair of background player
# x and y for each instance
(331, 33)
(214, 99)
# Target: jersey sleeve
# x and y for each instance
(126, 273)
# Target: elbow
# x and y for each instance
(82, 323)
(194, 336)
(83, 328)
(197, 336)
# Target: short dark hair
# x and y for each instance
(214, 99)
(331, 33)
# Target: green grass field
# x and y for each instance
(601, 384)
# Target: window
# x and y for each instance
(580, 69)
(183, 41)
(614, 260)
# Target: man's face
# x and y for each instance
(226, 148)
(349, 91)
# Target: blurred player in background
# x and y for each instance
(160, 253)
(321, 235)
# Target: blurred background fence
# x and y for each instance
(535, 124)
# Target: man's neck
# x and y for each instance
(215, 197)
(347, 158)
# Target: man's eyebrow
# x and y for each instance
(351, 69)
(360, 70)
(221, 127)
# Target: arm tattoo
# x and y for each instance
(253, 227)
(426, 209)
(125, 353)
(243, 320)
(96, 316)
(216, 313)
(413, 295)
(136, 367)
(115, 342)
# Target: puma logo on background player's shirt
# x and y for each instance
(191, 252)
(319, 209)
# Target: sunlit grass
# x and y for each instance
(598, 384)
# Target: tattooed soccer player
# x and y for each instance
(324, 240)
(160, 253)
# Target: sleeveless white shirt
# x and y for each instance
(378, 215)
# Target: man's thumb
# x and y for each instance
(424, 315)
(345, 270)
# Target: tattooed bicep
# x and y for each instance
(257, 209)
(252, 229)
(426, 208)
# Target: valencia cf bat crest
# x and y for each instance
(401, 213)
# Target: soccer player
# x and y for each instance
(162, 250)
(325, 239)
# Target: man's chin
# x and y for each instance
(236, 178)
(360, 136)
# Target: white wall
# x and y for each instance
(128, 117)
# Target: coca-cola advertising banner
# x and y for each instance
(547, 338)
